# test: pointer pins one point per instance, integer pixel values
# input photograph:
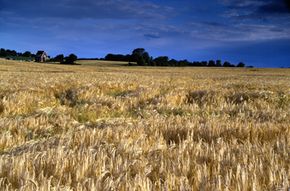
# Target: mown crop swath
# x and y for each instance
(101, 127)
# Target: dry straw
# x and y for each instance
(97, 127)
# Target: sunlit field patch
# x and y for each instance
(102, 126)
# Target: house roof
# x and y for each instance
(40, 52)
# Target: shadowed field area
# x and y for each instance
(107, 126)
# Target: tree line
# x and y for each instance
(70, 59)
(142, 58)
(12, 54)
(27, 55)
(139, 56)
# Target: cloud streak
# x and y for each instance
(257, 8)
(75, 9)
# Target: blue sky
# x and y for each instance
(254, 31)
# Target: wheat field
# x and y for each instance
(107, 126)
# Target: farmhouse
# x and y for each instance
(41, 56)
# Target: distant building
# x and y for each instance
(41, 56)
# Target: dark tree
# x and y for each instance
(26, 54)
(3, 52)
(161, 61)
(219, 63)
(173, 62)
(211, 63)
(204, 63)
(140, 61)
(241, 65)
(151, 63)
(59, 58)
(138, 51)
(114, 57)
(140, 56)
(11, 52)
(70, 59)
(196, 63)
(109, 57)
(183, 63)
(146, 58)
(228, 64)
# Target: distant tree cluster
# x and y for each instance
(12, 54)
(142, 58)
(118, 57)
(70, 59)
(139, 55)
